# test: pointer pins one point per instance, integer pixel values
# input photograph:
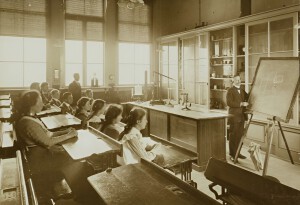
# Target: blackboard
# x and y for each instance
(275, 86)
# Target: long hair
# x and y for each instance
(81, 103)
(96, 106)
(27, 100)
(112, 113)
(134, 115)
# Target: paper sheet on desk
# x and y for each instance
(85, 145)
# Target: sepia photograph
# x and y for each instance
(149, 102)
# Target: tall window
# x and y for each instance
(73, 60)
(84, 40)
(22, 42)
(134, 60)
(134, 31)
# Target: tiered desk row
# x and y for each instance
(89, 169)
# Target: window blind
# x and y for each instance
(84, 19)
(135, 24)
(85, 7)
(23, 18)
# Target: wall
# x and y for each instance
(173, 16)
(266, 5)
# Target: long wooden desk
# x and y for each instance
(145, 183)
(87, 143)
(174, 157)
(4, 97)
(5, 114)
(7, 139)
(12, 182)
(5, 103)
(56, 122)
(53, 110)
(200, 131)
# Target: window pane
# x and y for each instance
(96, 69)
(135, 60)
(126, 73)
(139, 73)
(70, 70)
(94, 52)
(11, 74)
(11, 48)
(126, 53)
(34, 72)
(35, 50)
(142, 54)
(73, 51)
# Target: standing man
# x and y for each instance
(237, 101)
(75, 89)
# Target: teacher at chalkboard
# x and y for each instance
(237, 101)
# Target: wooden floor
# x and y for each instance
(284, 171)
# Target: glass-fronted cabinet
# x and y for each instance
(221, 66)
(169, 69)
(239, 59)
(202, 71)
(273, 37)
(188, 67)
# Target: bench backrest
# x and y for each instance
(250, 185)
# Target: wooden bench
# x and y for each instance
(13, 189)
(240, 186)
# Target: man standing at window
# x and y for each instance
(237, 101)
(75, 89)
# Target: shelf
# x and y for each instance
(216, 57)
(257, 53)
(240, 56)
(219, 90)
(220, 64)
(223, 39)
(286, 51)
(220, 78)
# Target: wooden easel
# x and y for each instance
(269, 134)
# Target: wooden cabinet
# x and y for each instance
(159, 124)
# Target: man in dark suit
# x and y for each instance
(75, 89)
(237, 101)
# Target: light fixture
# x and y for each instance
(130, 4)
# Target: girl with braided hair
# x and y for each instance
(83, 105)
(97, 110)
(134, 148)
(111, 125)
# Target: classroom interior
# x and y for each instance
(175, 60)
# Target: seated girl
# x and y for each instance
(32, 130)
(111, 125)
(66, 107)
(97, 110)
(82, 113)
(55, 97)
(134, 148)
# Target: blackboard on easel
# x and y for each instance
(275, 86)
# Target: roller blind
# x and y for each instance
(84, 20)
(135, 24)
(23, 18)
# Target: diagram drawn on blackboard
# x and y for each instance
(275, 86)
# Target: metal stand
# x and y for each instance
(243, 137)
(269, 136)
